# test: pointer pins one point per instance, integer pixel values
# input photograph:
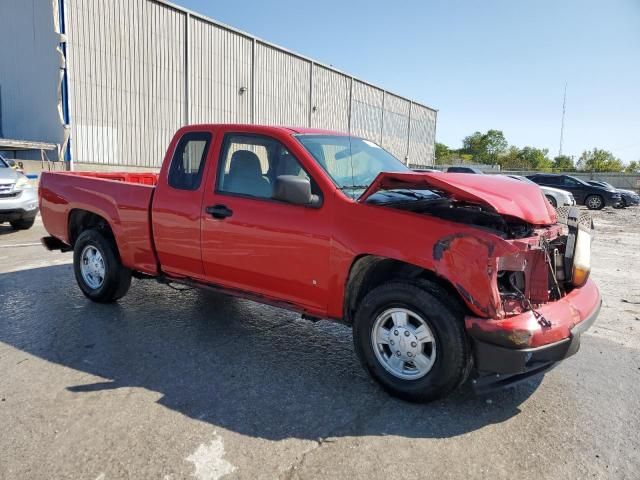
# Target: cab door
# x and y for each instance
(177, 202)
(253, 243)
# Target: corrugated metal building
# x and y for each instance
(115, 79)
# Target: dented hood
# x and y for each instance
(504, 195)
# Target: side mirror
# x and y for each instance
(295, 190)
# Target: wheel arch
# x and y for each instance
(369, 271)
(81, 220)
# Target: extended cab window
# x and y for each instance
(187, 164)
(250, 164)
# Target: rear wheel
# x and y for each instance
(412, 342)
(97, 267)
(23, 223)
(594, 202)
(552, 201)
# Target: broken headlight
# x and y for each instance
(578, 251)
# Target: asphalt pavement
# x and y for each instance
(170, 384)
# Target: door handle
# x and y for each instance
(219, 211)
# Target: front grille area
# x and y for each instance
(6, 188)
(9, 195)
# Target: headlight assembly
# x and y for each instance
(578, 250)
(23, 183)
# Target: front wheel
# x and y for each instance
(411, 341)
(97, 267)
(594, 202)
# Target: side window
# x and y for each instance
(250, 164)
(187, 164)
(551, 180)
(569, 182)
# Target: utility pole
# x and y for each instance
(564, 105)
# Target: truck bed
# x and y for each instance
(123, 199)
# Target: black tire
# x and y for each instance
(117, 278)
(23, 223)
(445, 319)
(594, 202)
(623, 203)
(552, 201)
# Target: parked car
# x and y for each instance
(464, 170)
(556, 196)
(629, 197)
(18, 198)
(441, 276)
(17, 166)
(594, 197)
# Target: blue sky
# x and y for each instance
(483, 64)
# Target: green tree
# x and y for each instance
(510, 160)
(599, 160)
(564, 163)
(633, 167)
(443, 153)
(536, 157)
(527, 158)
(485, 147)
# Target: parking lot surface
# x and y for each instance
(171, 384)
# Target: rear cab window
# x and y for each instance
(187, 163)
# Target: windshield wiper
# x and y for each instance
(354, 187)
(410, 193)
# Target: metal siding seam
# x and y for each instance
(406, 159)
(311, 105)
(350, 106)
(187, 93)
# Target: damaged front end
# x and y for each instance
(523, 270)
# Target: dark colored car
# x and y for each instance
(629, 197)
(464, 170)
(594, 197)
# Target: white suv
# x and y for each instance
(18, 198)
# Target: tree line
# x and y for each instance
(492, 148)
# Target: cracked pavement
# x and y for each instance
(189, 384)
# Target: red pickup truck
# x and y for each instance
(443, 277)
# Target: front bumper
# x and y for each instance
(613, 201)
(511, 350)
(23, 204)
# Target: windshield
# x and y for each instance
(351, 162)
(3, 164)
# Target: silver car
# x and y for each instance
(18, 198)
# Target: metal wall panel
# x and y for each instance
(366, 111)
(283, 87)
(220, 63)
(126, 80)
(135, 77)
(330, 100)
(422, 136)
(395, 129)
(29, 72)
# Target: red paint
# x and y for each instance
(505, 195)
(302, 256)
(563, 314)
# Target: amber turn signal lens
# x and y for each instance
(581, 258)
